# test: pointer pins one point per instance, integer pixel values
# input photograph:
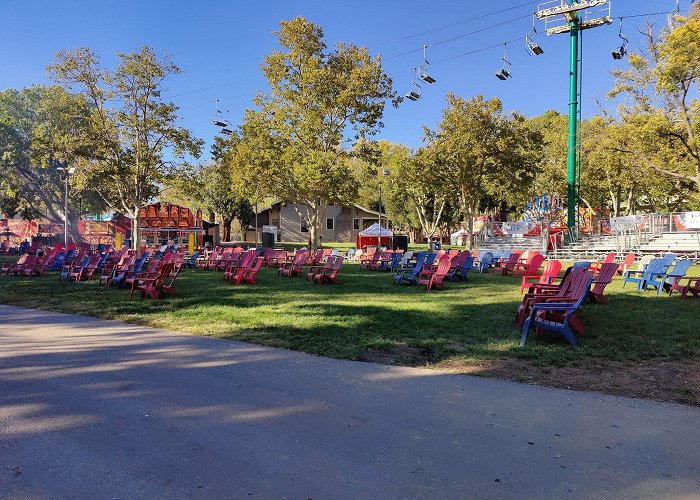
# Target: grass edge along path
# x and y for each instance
(639, 345)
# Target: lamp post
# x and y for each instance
(385, 173)
(64, 174)
(379, 238)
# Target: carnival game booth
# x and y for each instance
(371, 235)
(164, 222)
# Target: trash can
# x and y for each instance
(400, 242)
(268, 240)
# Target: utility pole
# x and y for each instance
(572, 17)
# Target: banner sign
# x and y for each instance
(516, 227)
(692, 220)
(627, 223)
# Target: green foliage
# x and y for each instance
(296, 140)
(133, 133)
(41, 125)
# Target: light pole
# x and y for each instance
(385, 173)
(64, 173)
(379, 238)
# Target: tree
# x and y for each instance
(483, 151)
(39, 127)
(133, 132)
(662, 109)
(296, 141)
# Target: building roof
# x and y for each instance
(278, 202)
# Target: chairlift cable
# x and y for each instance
(489, 14)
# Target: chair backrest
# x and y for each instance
(84, 262)
(257, 264)
(351, 253)
(610, 258)
(629, 259)
(506, 254)
(337, 263)
(194, 256)
(452, 253)
(643, 262)
(405, 257)
(486, 259)
(607, 271)
(680, 268)
(669, 256)
(420, 262)
(535, 263)
(656, 266)
(513, 259)
(94, 260)
(580, 289)
(443, 266)
(551, 270)
(430, 258)
(582, 264)
(468, 263)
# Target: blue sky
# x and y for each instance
(220, 45)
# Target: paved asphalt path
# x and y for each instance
(101, 409)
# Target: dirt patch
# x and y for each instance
(659, 379)
(399, 355)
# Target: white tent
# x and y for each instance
(373, 230)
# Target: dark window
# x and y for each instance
(304, 226)
(356, 224)
(330, 224)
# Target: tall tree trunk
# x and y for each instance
(226, 222)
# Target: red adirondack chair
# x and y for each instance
(540, 292)
(152, 270)
(368, 257)
(530, 267)
(434, 276)
(686, 285)
(153, 286)
(294, 267)
(243, 261)
(627, 263)
(609, 258)
(19, 267)
(247, 274)
(550, 271)
(316, 258)
(314, 270)
(329, 275)
(508, 265)
(376, 264)
(6, 267)
(278, 259)
(211, 261)
(77, 272)
(604, 277)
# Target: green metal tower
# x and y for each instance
(572, 17)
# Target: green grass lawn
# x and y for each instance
(367, 317)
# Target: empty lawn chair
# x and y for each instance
(434, 276)
(11, 266)
(409, 275)
(462, 271)
(680, 269)
(370, 260)
(652, 275)
(686, 285)
(329, 275)
(541, 292)
(294, 268)
(313, 270)
(485, 259)
(550, 271)
(626, 263)
(609, 258)
(509, 264)
(605, 275)
(77, 272)
(247, 274)
(392, 263)
(558, 314)
(191, 263)
(530, 267)
(153, 286)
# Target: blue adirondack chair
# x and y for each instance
(120, 279)
(582, 264)
(351, 253)
(101, 247)
(462, 271)
(656, 268)
(680, 269)
(659, 279)
(70, 255)
(68, 269)
(391, 265)
(58, 261)
(497, 255)
(565, 310)
(192, 261)
(485, 260)
(670, 257)
(410, 275)
(430, 258)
